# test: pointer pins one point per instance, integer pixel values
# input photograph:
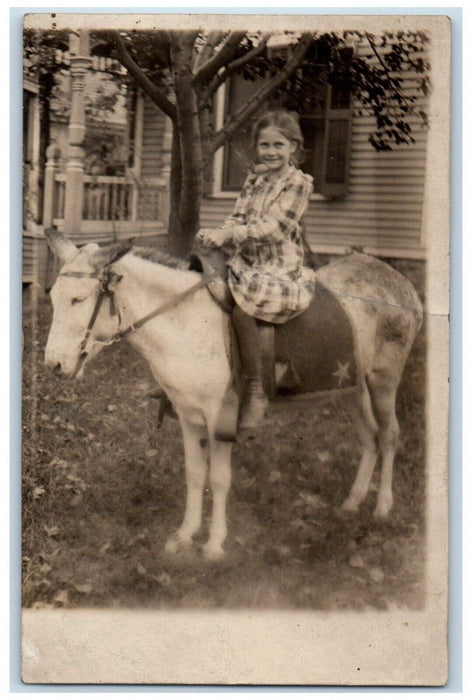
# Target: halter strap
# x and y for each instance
(104, 280)
(158, 311)
(103, 292)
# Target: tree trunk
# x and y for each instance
(45, 94)
(188, 142)
(177, 244)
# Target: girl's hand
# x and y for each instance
(213, 237)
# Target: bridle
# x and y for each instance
(105, 277)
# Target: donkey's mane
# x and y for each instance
(160, 257)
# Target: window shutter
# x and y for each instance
(336, 151)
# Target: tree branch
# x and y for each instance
(248, 109)
(222, 77)
(212, 41)
(156, 95)
(387, 73)
(217, 61)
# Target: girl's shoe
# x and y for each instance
(255, 405)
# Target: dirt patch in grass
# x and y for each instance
(103, 489)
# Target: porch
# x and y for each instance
(90, 207)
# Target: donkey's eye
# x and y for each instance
(76, 300)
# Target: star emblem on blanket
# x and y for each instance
(342, 373)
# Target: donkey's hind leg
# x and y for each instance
(383, 390)
(366, 425)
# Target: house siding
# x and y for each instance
(152, 139)
(382, 210)
(34, 259)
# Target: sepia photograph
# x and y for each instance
(235, 277)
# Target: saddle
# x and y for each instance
(310, 356)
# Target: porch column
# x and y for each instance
(137, 155)
(53, 154)
(164, 204)
(80, 61)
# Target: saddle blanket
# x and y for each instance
(314, 352)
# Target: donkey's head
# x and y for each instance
(84, 312)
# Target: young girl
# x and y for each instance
(264, 245)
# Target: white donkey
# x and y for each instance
(166, 312)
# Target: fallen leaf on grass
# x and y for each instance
(357, 561)
(59, 463)
(51, 531)
(38, 491)
(297, 523)
(142, 386)
(283, 550)
(164, 579)
(111, 407)
(41, 605)
(275, 476)
(62, 597)
(150, 453)
(376, 574)
(83, 587)
(311, 499)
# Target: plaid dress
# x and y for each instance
(265, 271)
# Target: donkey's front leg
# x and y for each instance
(220, 481)
(196, 465)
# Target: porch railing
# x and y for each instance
(110, 198)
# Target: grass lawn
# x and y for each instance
(103, 490)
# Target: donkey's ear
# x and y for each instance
(112, 253)
(61, 246)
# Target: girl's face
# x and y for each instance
(274, 150)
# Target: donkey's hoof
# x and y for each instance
(176, 543)
(381, 515)
(347, 509)
(212, 553)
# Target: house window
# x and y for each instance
(325, 120)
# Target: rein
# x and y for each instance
(105, 291)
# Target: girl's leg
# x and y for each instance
(255, 404)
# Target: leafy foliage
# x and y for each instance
(376, 80)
